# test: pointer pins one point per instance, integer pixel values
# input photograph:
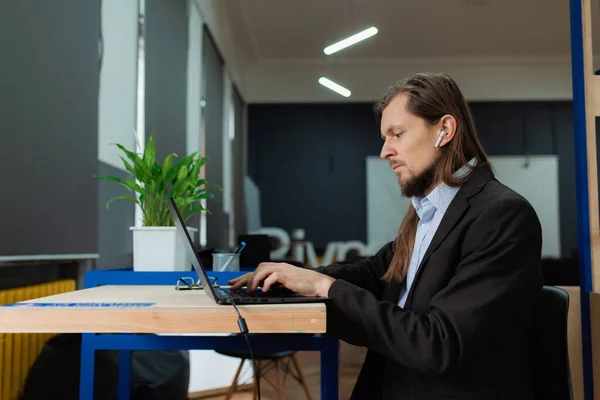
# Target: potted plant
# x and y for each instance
(156, 245)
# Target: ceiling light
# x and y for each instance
(367, 33)
(334, 86)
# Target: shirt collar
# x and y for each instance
(462, 171)
(442, 195)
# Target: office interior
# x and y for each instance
(295, 161)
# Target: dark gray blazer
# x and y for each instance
(464, 332)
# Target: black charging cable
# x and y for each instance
(244, 331)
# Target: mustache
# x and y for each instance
(396, 164)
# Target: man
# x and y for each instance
(444, 310)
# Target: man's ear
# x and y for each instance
(448, 125)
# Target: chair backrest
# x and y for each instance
(258, 249)
(550, 363)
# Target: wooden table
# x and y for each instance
(127, 311)
(154, 309)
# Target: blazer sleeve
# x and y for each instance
(492, 283)
(365, 273)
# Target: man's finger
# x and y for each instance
(239, 279)
(256, 280)
(267, 264)
(258, 277)
(238, 282)
(270, 280)
(236, 285)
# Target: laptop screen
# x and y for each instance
(184, 235)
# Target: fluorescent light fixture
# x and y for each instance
(367, 33)
(334, 86)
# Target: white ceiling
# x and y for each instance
(296, 31)
(300, 29)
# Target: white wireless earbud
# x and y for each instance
(442, 134)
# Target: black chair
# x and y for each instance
(561, 271)
(258, 249)
(266, 361)
(550, 363)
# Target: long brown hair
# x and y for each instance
(430, 97)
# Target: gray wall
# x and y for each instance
(239, 162)
(49, 122)
(49, 126)
(216, 220)
(166, 75)
(115, 239)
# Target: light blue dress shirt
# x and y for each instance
(431, 210)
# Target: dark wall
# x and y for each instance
(311, 159)
(562, 118)
(166, 75)
(49, 80)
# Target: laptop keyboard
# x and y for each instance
(242, 296)
(242, 293)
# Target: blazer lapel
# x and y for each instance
(453, 214)
(393, 292)
(456, 210)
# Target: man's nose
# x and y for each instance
(386, 151)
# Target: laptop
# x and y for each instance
(222, 295)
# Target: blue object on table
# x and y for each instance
(126, 342)
(240, 248)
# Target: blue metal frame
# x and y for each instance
(125, 343)
(582, 191)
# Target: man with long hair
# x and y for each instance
(445, 310)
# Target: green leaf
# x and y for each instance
(135, 186)
(203, 196)
(128, 166)
(152, 183)
(128, 198)
(131, 155)
(108, 178)
(150, 152)
(167, 164)
(183, 171)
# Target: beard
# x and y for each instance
(419, 184)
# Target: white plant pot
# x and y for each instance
(159, 248)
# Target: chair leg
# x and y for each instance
(234, 384)
(279, 379)
(302, 380)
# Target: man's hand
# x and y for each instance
(300, 280)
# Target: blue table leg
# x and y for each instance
(86, 377)
(329, 369)
(124, 374)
